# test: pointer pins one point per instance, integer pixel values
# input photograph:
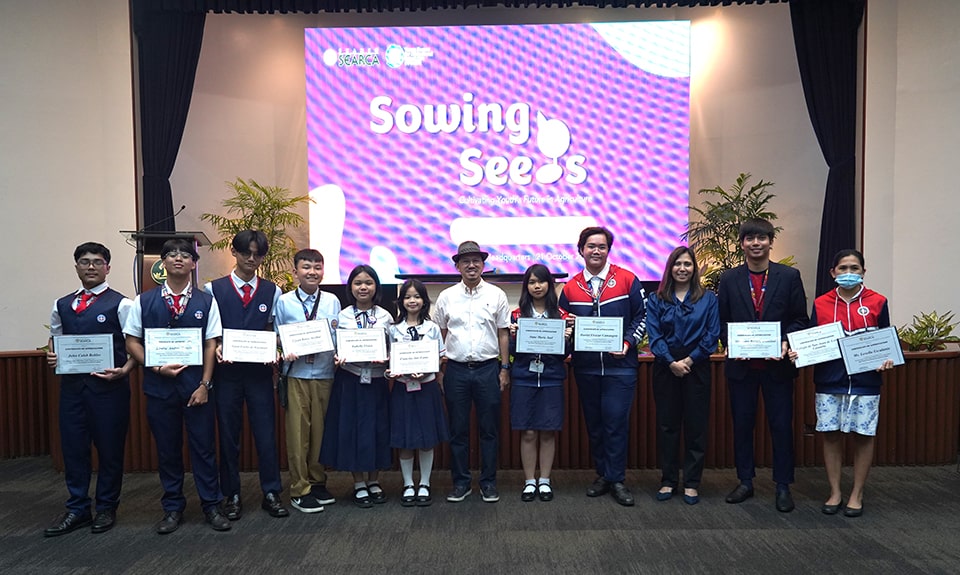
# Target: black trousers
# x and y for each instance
(683, 404)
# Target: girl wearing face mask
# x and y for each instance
(848, 404)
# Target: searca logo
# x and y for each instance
(351, 57)
(552, 142)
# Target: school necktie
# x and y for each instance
(595, 284)
(85, 298)
(247, 297)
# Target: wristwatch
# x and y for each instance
(207, 384)
(506, 365)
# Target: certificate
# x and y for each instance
(817, 344)
(251, 346)
(83, 353)
(598, 334)
(358, 345)
(181, 346)
(868, 350)
(421, 356)
(306, 337)
(754, 340)
(536, 335)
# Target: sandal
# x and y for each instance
(409, 496)
(361, 497)
(376, 492)
(545, 492)
(423, 496)
(529, 492)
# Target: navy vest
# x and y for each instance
(256, 316)
(101, 316)
(156, 314)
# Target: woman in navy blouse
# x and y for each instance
(683, 325)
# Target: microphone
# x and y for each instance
(164, 220)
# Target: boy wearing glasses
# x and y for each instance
(606, 382)
(246, 302)
(179, 394)
(94, 407)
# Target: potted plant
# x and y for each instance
(270, 209)
(928, 332)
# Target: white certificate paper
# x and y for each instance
(598, 334)
(306, 337)
(868, 350)
(359, 345)
(250, 346)
(537, 335)
(421, 356)
(754, 340)
(182, 346)
(83, 353)
(816, 344)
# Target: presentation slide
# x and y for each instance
(516, 137)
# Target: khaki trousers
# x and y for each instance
(307, 402)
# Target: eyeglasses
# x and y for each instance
(247, 255)
(85, 263)
(179, 254)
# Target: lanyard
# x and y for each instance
(758, 301)
(316, 302)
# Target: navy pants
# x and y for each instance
(606, 401)
(778, 404)
(464, 387)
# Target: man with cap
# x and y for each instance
(474, 318)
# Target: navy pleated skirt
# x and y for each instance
(417, 418)
(356, 432)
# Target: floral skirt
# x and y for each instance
(848, 413)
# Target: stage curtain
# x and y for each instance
(168, 50)
(825, 34)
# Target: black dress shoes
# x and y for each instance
(622, 494)
(171, 520)
(784, 502)
(273, 505)
(217, 520)
(740, 494)
(65, 523)
(599, 487)
(830, 509)
(104, 521)
(233, 508)
(852, 512)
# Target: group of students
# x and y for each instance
(350, 416)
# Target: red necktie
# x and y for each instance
(85, 298)
(247, 288)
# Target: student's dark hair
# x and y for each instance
(364, 268)
(421, 291)
(542, 273)
(842, 254)
(306, 255)
(756, 227)
(665, 290)
(92, 248)
(242, 241)
(592, 231)
(179, 244)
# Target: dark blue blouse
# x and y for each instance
(676, 324)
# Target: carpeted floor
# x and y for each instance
(911, 524)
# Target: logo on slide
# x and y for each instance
(394, 56)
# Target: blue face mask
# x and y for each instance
(849, 280)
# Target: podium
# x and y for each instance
(149, 272)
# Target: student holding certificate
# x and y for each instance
(848, 404)
(683, 324)
(356, 434)
(94, 407)
(417, 419)
(536, 397)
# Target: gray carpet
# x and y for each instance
(911, 524)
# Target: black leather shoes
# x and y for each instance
(622, 494)
(599, 487)
(830, 509)
(273, 505)
(784, 502)
(740, 494)
(852, 512)
(171, 520)
(104, 521)
(233, 508)
(217, 520)
(65, 523)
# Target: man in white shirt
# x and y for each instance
(474, 318)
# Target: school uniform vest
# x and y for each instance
(156, 314)
(101, 316)
(255, 316)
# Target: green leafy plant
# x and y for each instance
(714, 234)
(929, 331)
(270, 209)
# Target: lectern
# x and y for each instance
(149, 272)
